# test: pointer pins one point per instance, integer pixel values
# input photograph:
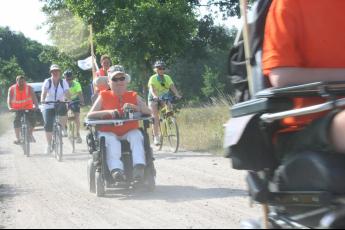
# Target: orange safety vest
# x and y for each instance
(21, 99)
(110, 101)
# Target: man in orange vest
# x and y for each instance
(22, 97)
(111, 104)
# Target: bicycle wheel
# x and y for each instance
(58, 143)
(172, 132)
(26, 141)
(162, 129)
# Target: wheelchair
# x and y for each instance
(305, 191)
(98, 174)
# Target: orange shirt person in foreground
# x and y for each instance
(111, 104)
(304, 43)
(22, 97)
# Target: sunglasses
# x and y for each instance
(161, 68)
(115, 79)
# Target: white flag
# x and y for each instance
(85, 64)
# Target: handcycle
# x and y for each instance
(24, 131)
(71, 124)
(98, 174)
(167, 123)
(300, 190)
(57, 141)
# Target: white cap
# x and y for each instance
(115, 69)
(54, 67)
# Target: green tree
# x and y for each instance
(136, 33)
(9, 70)
(212, 85)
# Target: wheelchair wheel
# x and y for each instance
(91, 171)
(150, 178)
(100, 191)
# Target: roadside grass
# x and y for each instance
(201, 128)
(5, 123)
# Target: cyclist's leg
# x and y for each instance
(154, 108)
(76, 110)
(113, 146)
(49, 118)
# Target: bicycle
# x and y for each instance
(24, 132)
(167, 123)
(71, 125)
(57, 142)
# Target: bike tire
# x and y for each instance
(162, 129)
(26, 141)
(58, 143)
(172, 131)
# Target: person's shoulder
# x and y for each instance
(12, 86)
(45, 82)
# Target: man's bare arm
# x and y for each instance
(285, 76)
(9, 99)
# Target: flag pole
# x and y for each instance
(94, 63)
(247, 51)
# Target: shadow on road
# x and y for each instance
(9, 192)
(176, 193)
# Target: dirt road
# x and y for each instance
(194, 190)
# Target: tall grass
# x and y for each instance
(5, 122)
(201, 128)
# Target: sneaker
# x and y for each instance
(138, 172)
(118, 175)
(17, 142)
(156, 140)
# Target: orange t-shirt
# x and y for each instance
(304, 33)
(110, 101)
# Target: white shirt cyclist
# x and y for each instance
(54, 93)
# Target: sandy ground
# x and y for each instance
(194, 190)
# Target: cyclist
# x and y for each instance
(54, 89)
(77, 98)
(22, 97)
(159, 85)
(101, 73)
(110, 105)
(105, 62)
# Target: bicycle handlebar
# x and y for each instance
(56, 102)
(22, 110)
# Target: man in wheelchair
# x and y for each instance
(291, 137)
(113, 104)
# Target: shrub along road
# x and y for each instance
(194, 190)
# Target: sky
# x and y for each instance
(24, 16)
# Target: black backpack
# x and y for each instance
(237, 61)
